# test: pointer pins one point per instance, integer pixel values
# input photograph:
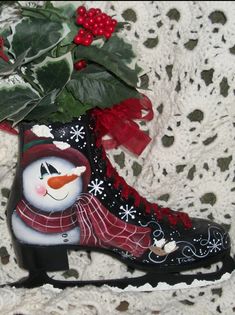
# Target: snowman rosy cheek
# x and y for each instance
(40, 189)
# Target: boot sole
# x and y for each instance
(40, 259)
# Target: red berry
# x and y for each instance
(80, 19)
(87, 42)
(108, 21)
(107, 34)
(110, 29)
(78, 39)
(91, 21)
(95, 32)
(91, 12)
(80, 64)
(81, 32)
(98, 18)
(100, 31)
(86, 24)
(104, 16)
(101, 25)
(81, 10)
(114, 22)
(95, 26)
(89, 36)
(98, 11)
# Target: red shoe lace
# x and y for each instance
(127, 191)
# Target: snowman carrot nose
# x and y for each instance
(58, 182)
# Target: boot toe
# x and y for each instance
(205, 241)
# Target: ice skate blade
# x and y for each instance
(148, 282)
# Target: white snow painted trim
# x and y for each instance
(77, 171)
(42, 131)
(61, 145)
(170, 247)
(163, 286)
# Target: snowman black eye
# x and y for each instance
(52, 169)
(43, 171)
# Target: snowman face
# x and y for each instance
(39, 191)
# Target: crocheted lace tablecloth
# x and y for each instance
(188, 52)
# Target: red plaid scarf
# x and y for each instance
(98, 226)
(47, 222)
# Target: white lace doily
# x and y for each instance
(188, 52)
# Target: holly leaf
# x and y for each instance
(117, 46)
(53, 73)
(7, 68)
(44, 107)
(14, 99)
(68, 107)
(110, 61)
(21, 114)
(95, 86)
(37, 35)
(49, 12)
(67, 10)
(73, 31)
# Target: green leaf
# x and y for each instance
(59, 51)
(117, 46)
(73, 31)
(14, 99)
(68, 108)
(20, 115)
(48, 12)
(53, 73)
(44, 107)
(94, 86)
(68, 10)
(110, 61)
(24, 103)
(7, 68)
(37, 35)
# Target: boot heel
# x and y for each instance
(48, 258)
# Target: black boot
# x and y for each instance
(66, 195)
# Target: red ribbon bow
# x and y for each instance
(118, 123)
(2, 54)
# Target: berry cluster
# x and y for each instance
(95, 23)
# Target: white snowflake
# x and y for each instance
(77, 133)
(96, 187)
(214, 245)
(127, 212)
